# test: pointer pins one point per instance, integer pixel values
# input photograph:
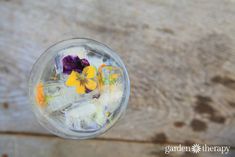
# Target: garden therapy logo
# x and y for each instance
(196, 148)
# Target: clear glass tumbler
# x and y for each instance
(79, 88)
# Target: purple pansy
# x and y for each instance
(74, 63)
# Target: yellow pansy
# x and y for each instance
(84, 80)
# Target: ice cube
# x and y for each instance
(82, 117)
(58, 95)
(86, 115)
(110, 74)
(111, 96)
(74, 51)
(58, 64)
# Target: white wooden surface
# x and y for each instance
(180, 56)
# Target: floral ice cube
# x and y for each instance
(109, 75)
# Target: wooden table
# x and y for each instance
(180, 56)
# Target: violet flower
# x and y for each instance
(73, 63)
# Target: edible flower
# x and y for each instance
(74, 63)
(40, 96)
(107, 75)
(83, 81)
